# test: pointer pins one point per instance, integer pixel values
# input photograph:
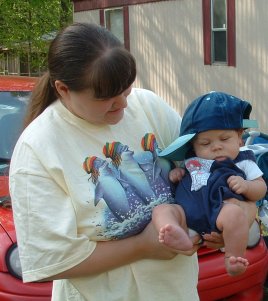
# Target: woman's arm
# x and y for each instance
(109, 255)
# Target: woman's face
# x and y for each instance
(95, 111)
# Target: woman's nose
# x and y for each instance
(120, 101)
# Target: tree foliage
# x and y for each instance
(26, 26)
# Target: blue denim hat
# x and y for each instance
(212, 111)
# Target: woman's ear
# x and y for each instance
(62, 89)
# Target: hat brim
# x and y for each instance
(177, 150)
(250, 123)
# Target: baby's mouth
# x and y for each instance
(220, 158)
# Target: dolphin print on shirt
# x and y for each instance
(104, 179)
(129, 170)
(130, 184)
(160, 166)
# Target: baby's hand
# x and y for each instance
(176, 174)
(237, 184)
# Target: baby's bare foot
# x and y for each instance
(175, 237)
(236, 265)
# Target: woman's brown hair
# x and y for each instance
(83, 56)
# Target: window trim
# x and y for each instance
(231, 32)
(82, 5)
(125, 24)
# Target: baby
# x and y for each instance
(216, 173)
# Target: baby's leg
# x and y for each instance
(169, 220)
(248, 207)
(233, 223)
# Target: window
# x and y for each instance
(113, 19)
(21, 63)
(33, 64)
(219, 32)
(117, 21)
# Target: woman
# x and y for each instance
(70, 225)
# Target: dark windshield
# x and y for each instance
(12, 112)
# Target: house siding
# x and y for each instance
(166, 38)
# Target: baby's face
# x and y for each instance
(218, 144)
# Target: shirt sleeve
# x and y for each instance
(251, 169)
(165, 120)
(45, 220)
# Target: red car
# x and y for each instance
(14, 94)
(214, 284)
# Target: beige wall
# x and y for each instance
(167, 40)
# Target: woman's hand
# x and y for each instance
(153, 249)
(213, 240)
(196, 245)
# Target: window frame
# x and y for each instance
(231, 33)
(125, 23)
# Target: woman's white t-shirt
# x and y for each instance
(65, 177)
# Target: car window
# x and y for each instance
(12, 111)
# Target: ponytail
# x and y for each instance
(42, 96)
